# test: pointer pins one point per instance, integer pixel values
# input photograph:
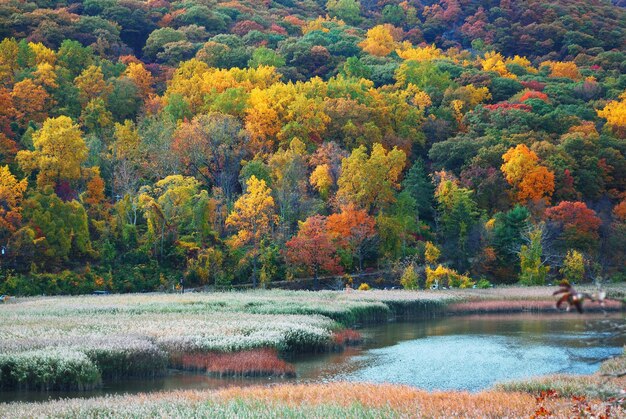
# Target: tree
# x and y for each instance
(289, 184)
(11, 195)
(457, 216)
(313, 248)
(212, 147)
(59, 152)
(507, 238)
(530, 180)
(62, 232)
(30, 101)
(141, 77)
(347, 10)
(369, 182)
(176, 207)
(573, 268)
(615, 114)
(431, 253)
(263, 56)
(379, 41)
(409, 278)
(421, 189)
(533, 271)
(252, 217)
(352, 229)
(91, 84)
(579, 224)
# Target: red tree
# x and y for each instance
(351, 228)
(580, 224)
(313, 249)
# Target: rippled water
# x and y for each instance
(473, 353)
(450, 353)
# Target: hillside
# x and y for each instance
(149, 145)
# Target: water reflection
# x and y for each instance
(465, 353)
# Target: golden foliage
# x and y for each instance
(379, 41)
(530, 180)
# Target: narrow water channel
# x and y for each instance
(448, 353)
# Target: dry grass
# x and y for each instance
(312, 400)
(507, 306)
(253, 363)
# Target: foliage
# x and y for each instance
(409, 278)
(573, 266)
(151, 118)
(533, 271)
(443, 277)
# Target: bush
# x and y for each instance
(447, 277)
(364, 287)
(409, 278)
(483, 284)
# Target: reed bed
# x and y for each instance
(58, 369)
(508, 306)
(252, 363)
(334, 400)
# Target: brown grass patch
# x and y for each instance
(253, 363)
(405, 399)
(347, 337)
(511, 306)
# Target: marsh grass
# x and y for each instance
(332, 400)
(59, 369)
(253, 363)
(601, 385)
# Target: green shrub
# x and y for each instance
(483, 284)
(409, 278)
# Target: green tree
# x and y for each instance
(533, 271)
(347, 10)
(420, 187)
(457, 215)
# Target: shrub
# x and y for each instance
(483, 284)
(409, 278)
(364, 286)
(447, 277)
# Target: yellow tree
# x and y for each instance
(91, 84)
(30, 100)
(615, 114)
(379, 41)
(59, 152)
(529, 179)
(11, 194)
(253, 217)
(322, 180)
(141, 77)
(369, 182)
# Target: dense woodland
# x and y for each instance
(452, 142)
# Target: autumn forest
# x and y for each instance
(153, 145)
